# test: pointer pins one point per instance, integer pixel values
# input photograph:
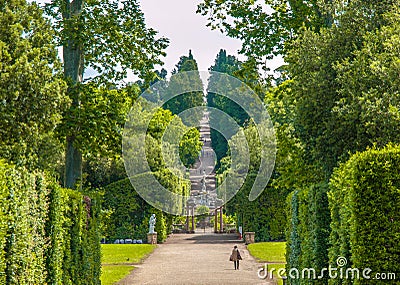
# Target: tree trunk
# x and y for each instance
(73, 72)
(73, 164)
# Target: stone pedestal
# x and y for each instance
(249, 237)
(152, 238)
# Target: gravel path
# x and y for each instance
(196, 259)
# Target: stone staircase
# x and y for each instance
(203, 170)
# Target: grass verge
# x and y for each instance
(118, 259)
(113, 273)
(272, 253)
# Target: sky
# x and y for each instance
(177, 20)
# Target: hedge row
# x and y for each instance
(364, 200)
(48, 235)
(356, 216)
(129, 213)
(265, 216)
(308, 231)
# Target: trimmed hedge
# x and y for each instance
(127, 210)
(73, 229)
(3, 221)
(365, 208)
(129, 213)
(293, 248)
(265, 215)
(320, 228)
(308, 231)
(357, 217)
(48, 235)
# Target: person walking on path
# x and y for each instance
(235, 257)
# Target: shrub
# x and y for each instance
(293, 249)
(48, 235)
(265, 216)
(130, 213)
(4, 218)
(308, 231)
(73, 228)
(320, 227)
(27, 200)
(364, 200)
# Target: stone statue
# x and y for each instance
(152, 224)
(203, 186)
(203, 180)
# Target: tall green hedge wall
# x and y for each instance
(364, 200)
(308, 231)
(48, 235)
(265, 216)
(129, 213)
(293, 247)
(355, 216)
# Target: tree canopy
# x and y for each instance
(189, 79)
(109, 37)
(32, 91)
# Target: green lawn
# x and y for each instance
(125, 253)
(271, 252)
(118, 260)
(113, 273)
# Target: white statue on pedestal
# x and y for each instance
(204, 186)
(152, 224)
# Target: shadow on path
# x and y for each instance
(215, 238)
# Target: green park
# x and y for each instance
(199, 142)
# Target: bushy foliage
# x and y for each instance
(319, 227)
(130, 213)
(344, 84)
(128, 210)
(308, 231)
(32, 93)
(188, 100)
(364, 203)
(49, 235)
(265, 216)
